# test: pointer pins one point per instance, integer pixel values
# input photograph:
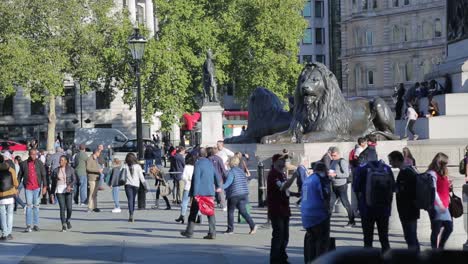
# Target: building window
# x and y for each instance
(369, 38)
(307, 36)
(140, 15)
(374, 4)
(364, 4)
(354, 6)
(406, 2)
(438, 28)
(306, 58)
(395, 3)
(307, 12)
(427, 67)
(427, 30)
(370, 77)
(68, 100)
(406, 33)
(230, 89)
(357, 76)
(408, 71)
(320, 58)
(103, 99)
(6, 106)
(318, 9)
(395, 34)
(37, 108)
(319, 36)
(124, 2)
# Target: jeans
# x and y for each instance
(184, 205)
(18, 199)
(436, 225)
(148, 164)
(239, 202)
(193, 216)
(83, 189)
(131, 192)
(6, 218)
(410, 127)
(32, 206)
(280, 239)
(115, 196)
(368, 230)
(93, 192)
(65, 203)
(410, 231)
(342, 193)
(316, 241)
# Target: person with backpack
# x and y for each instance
(8, 190)
(369, 153)
(440, 214)
(339, 175)
(315, 213)
(463, 169)
(406, 199)
(374, 185)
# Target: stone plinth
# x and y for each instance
(211, 124)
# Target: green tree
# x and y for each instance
(50, 39)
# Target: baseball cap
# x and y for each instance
(277, 157)
(7, 155)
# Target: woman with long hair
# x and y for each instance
(63, 179)
(187, 178)
(134, 174)
(159, 182)
(440, 215)
(409, 160)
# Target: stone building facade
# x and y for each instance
(22, 119)
(387, 42)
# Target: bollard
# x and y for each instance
(261, 184)
(465, 200)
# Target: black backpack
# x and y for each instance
(379, 185)
(462, 166)
(425, 191)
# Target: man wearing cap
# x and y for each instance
(33, 175)
(278, 208)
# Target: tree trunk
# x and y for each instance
(51, 125)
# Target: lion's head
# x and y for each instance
(318, 102)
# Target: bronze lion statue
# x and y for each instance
(322, 114)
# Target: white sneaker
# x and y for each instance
(116, 210)
(83, 205)
(225, 209)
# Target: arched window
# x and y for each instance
(427, 30)
(438, 28)
(408, 71)
(395, 34)
(370, 77)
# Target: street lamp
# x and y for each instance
(136, 43)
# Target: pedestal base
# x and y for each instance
(211, 124)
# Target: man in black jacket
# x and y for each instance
(405, 197)
(33, 175)
(177, 167)
(370, 153)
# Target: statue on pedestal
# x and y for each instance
(210, 88)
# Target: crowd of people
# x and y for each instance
(206, 178)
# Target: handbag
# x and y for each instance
(455, 206)
(164, 188)
(123, 176)
(205, 205)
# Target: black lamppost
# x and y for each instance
(136, 43)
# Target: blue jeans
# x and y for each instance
(185, 201)
(148, 164)
(83, 189)
(410, 232)
(6, 217)
(239, 202)
(32, 206)
(18, 199)
(131, 192)
(115, 196)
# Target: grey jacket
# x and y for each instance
(70, 174)
(342, 172)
